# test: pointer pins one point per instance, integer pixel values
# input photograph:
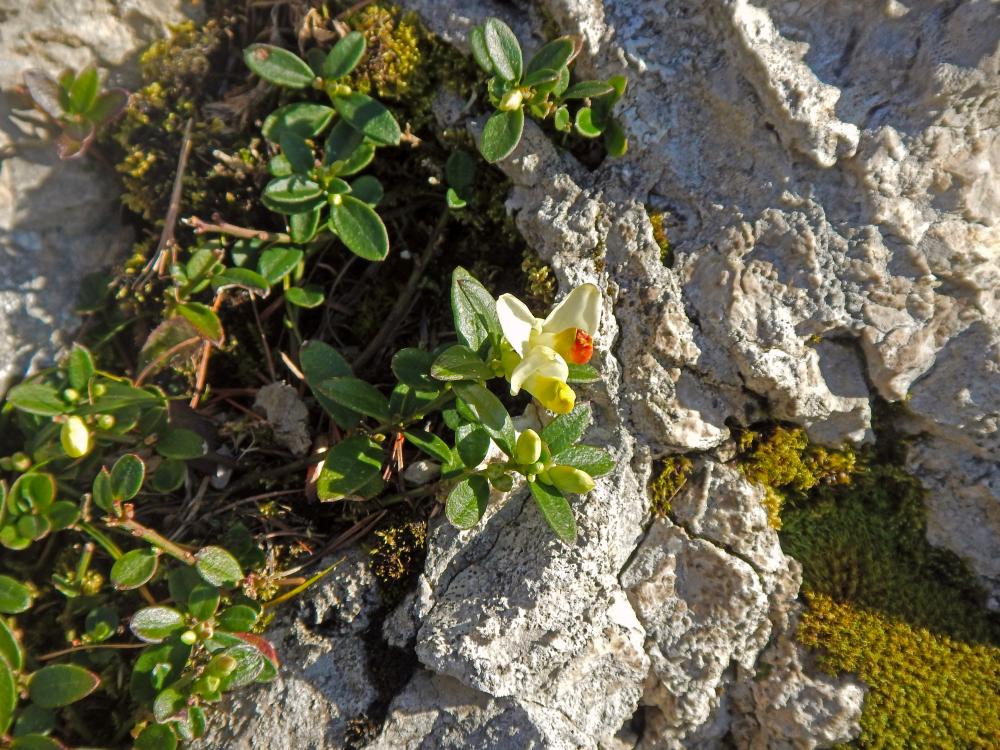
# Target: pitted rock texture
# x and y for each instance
(59, 220)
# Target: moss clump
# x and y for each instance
(539, 281)
(661, 239)
(394, 51)
(398, 555)
(673, 474)
(906, 617)
(785, 464)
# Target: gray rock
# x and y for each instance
(59, 220)
(287, 415)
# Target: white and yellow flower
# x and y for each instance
(540, 349)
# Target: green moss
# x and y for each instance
(782, 460)
(904, 616)
(539, 280)
(398, 555)
(672, 474)
(394, 51)
(660, 236)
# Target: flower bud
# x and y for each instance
(72, 395)
(511, 100)
(528, 447)
(75, 437)
(569, 479)
(106, 421)
(189, 638)
(20, 461)
(91, 583)
(221, 665)
(100, 389)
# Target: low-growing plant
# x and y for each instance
(75, 104)
(496, 339)
(542, 88)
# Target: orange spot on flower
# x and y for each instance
(582, 349)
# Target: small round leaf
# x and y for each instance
(218, 567)
(278, 66)
(134, 569)
(61, 684)
(360, 228)
(153, 624)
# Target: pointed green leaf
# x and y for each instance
(587, 89)
(503, 49)
(556, 511)
(501, 135)
(460, 363)
(243, 278)
(541, 77)
(489, 412)
(555, 55)
(203, 318)
(278, 66)
(153, 624)
(83, 93)
(352, 465)
(80, 367)
(134, 569)
(582, 374)
(305, 296)
(474, 310)
(360, 228)
(357, 395)
(11, 649)
(413, 367)
(14, 596)
(595, 461)
(477, 41)
(292, 195)
(615, 140)
(321, 362)
(344, 56)
(298, 152)
(370, 117)
(430, 444)
(304, 119)
(467, 502)
(563, 431)
(37, 398)
(8, 696)
(277, 262)
(341, 143)
(127, 476)
(473, 444)
(218, 567)
(108, 105)
(303, 227)
(61, 684)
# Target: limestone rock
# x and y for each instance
(59, 220)
(287, 414)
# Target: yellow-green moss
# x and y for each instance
(539, 281)
(393, 51)
(660, 236)
(398, 555)
(784, 462)
(673, 474)
(904, 616)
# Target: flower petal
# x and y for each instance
(580, 309)
(516, 321)
(540, 361)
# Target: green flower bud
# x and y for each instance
(100, 389)
(20, 461)
(72, 395)
(569, 479)
(511, 100)
(106, 421)
(221, 665)
(503, 483)
(91, 583)
(205, 630)
(528, 447)
(75, 437)
(189, 638)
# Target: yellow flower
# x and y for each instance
(540, 349)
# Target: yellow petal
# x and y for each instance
(538, 361)
(581, 309)
(551, 393)
(516, 321)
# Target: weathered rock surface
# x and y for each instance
(59, 220)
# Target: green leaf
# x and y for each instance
(305, 296)
(460, 170)
(249, 664)
(357, 395)
(561, 119)
(218, 567)
(595, 461)
(294, 194)
(36, 742)
(181, 582)
(453, 199)
(360, 228)
(101, 492)
(278, 66)
(358, 160)
(503, 49)
(582, 374)
(134, 569)
(168, 703)
(108, 105)
(154, 624)
(11, 649)
(80, 367)
(8, 696)
(14, 596)
(474, 310)
(203, 601)
(501, 135)
(584, 123)
(157, 667)
(33, 491)
(615, 140)
(541, 77)
(367, 189)
(555, 55)
(489, 412)
(237, 619)
(430, 444)
(587, 89)
(344, 56)
(203, 318)
(467, 502)
(181, 444)
(156, 737)
(279, 166)
(63, 514)
(303, 227)
(352, 465)
(556, 511)
(460, 363)
(244, 278)
(277, 262)
(83, 93)
(298, 152)
(477, 41)
(341, 143)
(36, 398)
(370, 117)
(563, 431)
(304, 119)
(321, 362)
(169, 475)
(127, 476)
(61, 684)
(413, 367)
(473, 445)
